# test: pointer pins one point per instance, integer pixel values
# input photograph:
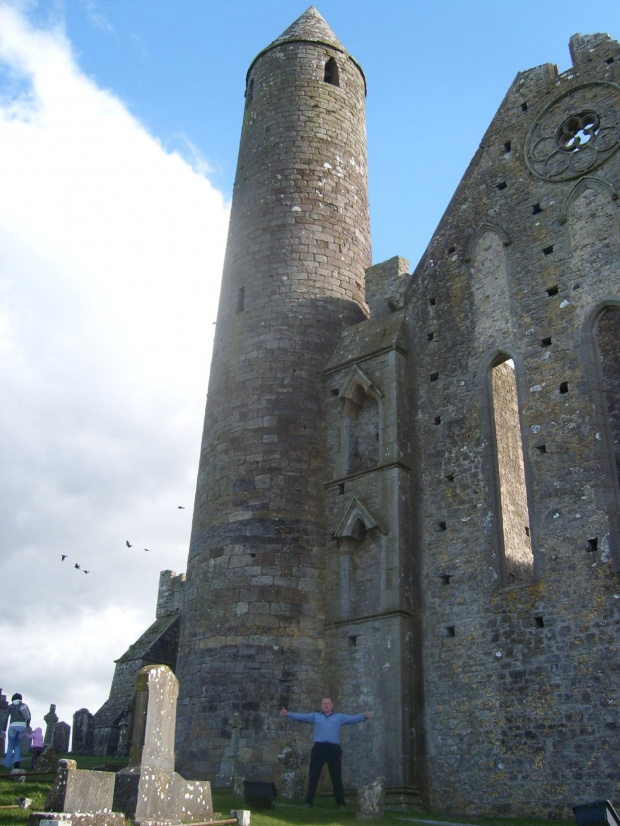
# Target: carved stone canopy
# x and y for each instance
(349, 396)
(356, 521)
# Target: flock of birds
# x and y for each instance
(127, 543)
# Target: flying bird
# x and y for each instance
(180, 507)
(63, 557)
(127, 543)
(147, 549)
(76, 566)
(86, 572)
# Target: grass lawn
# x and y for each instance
(285, 813)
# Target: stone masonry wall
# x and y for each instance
(521, 710)
(299, 241)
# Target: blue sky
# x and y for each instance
(119, 127)
(436, 73)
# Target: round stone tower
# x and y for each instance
(252, 634)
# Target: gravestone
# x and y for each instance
(48, 762)
(4, 716)
(371, 800)
(83, 732)
(238, 785)
(77, 790)
(60, 739)
(293, 779)
(149, 790)
(51, 718)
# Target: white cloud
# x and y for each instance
(111, 252)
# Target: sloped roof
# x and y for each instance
(144, 645)
(367, 338)
(311, 27)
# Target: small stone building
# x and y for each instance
(158, 645)
(408, 492)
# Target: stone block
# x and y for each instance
(61, 737)
(76, 790)
(371, 800)
(48, 762)
(83, 732)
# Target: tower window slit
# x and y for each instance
(241, 300)
(332, 76)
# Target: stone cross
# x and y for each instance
(51, 718)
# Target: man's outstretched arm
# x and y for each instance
(299, 718)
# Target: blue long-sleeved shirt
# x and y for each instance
(327, 729)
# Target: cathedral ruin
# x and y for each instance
(408, 492)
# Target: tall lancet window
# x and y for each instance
(518, 559)
(607, 336)
(331, 72)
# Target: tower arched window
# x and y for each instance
(332, 74)
(513, 518)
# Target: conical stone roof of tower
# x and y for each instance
(309, 27)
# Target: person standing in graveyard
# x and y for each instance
(19, 720)
(326, 749)
(36, 746)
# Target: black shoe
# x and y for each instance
(17, 764)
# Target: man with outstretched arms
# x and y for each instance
(326, 749)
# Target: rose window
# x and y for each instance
(575, 133)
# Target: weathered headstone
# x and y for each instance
(77, 790)
(83, 732)
(48, 762)
(4, 716)
(238, 786)
(371, 800)
(293, 779)
(51, 718)
(60, 740)
(149, 790)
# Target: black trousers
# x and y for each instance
(323, 753)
